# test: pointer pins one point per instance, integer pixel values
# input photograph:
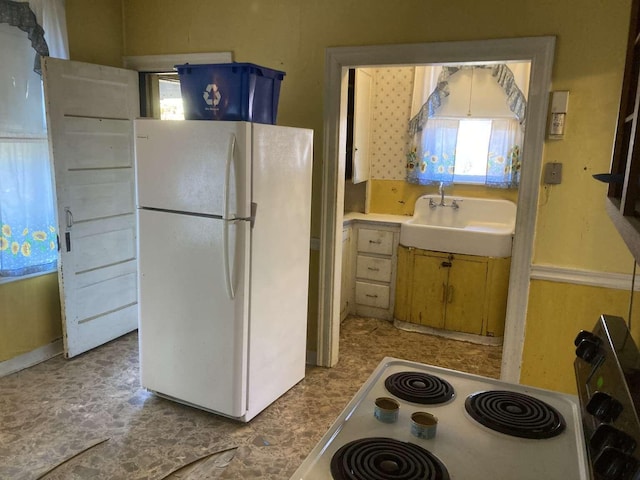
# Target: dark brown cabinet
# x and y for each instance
(623, 203)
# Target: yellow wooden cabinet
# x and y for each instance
(462, 293)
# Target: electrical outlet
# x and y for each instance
(552, 173)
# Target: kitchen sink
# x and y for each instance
(466, 225)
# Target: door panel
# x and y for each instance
(103, 249)
(100, 194)
(98, 299)
(97, 143)
(90, 112)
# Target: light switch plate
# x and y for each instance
(552, 173)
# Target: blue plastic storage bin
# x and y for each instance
(230, 91)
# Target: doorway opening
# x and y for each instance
(538, 51)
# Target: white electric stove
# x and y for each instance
(544, 438)
(489, 429)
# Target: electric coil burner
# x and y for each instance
(385, 458)
(419, 387)
(515, 414)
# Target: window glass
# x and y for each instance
(28, 236)
(472, 148)
(170, 99)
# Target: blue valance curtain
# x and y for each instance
(432, 153)
(28, 233)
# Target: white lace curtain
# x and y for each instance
(28, 237)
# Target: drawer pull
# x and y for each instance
(371, 296)
(377, 242)
(373, 269)
(446, 264)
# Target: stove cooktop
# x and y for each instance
(466, 448)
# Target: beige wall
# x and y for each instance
(292, 35)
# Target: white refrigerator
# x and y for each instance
(223, 247)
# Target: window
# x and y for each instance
(160, 96)
(488, 151)
(28, 236)
(470, 128)
(170, 99)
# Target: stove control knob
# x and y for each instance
(588, 349)
(585, 334)
(608, 437)
(612, 464)
(604, 407)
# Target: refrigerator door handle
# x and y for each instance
(228, 280)
(227, 175)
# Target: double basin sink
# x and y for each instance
(471, 226)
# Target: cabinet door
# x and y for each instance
(465, 296)
(362, 126)
(429, 289)
(404, 283)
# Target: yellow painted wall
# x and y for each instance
(95, 31)
(565, 309)
(29, 315)
(398, 197)
(573, 229)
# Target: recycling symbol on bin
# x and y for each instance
(211, 95)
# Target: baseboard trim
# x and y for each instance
(461, 336)
(31, 358)
(312, 358)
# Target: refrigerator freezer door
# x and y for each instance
(193, 337)
(194, 166)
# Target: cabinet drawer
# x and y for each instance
(375, 241)
(372, 295)
(373, 268)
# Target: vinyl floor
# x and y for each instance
(88, 417)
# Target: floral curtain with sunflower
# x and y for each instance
(431, 157)
(28, 234)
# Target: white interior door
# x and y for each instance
(361, 125)
(90, 112)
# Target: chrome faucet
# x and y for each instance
(454, 204)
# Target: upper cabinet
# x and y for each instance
(362, 125)
(623, 203)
